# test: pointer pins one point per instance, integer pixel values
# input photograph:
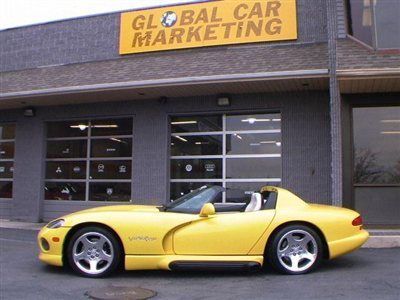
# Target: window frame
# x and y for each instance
(224, 133)
(12, 160)
(88, 159)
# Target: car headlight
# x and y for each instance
(56, 223)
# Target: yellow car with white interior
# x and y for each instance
(199, 230)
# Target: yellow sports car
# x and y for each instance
(198, 230)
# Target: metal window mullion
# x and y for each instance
(274, 155)
(253, 180)
(106, 137)
(224, 157)
(197, 133)
(74, 138)
(110, 180)
(88, 145)
(253, 131)
(109, 158)
(7, 160)
(197, 157)
(7, 141)
(65, 180)
(196, 180)
(373, 25)
(65, 159)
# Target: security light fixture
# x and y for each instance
(29, 112)
(223, 101)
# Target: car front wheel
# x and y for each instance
(93, 252)
(295, 249)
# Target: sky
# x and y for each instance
(17, 13)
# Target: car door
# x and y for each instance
(222, 234)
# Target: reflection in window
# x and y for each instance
(183, 188)
(242, 149)
(112, 147)
(196, 168)
(113, 192)
(67, 149)
(7, 140)
(377, 145)
(65, 191)
(375, 22)
(196, 145)
(89, 160)
(196, 124)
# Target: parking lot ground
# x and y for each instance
(364, 274)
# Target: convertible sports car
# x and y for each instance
(198, 230)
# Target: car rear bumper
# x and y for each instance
(346, 245)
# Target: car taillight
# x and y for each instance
(357, 221)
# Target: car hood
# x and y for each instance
(116, 208)
(122, 208)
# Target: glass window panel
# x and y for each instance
(253, 122)
(178, 189)
(114, 169)
(7, 131)
(361, 20)
(66, 170)
(196, 145)
(255, 143)
(113, 192)
(242, 191)
(387, 23)
(253, 168)
(378, 205)
(67, 149)
(112, 147)
(6, 188)
(65, 190)
(67, 129)
(377, 144)
(196, 124)
(196, 168)
(6, 169)
(112, 127)
(6, 150)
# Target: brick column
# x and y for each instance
(28, 170)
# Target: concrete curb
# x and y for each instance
(389, 241)
(20, 225)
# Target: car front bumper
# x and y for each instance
(51, 242)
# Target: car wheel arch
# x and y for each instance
(79, 226)
(325, 249)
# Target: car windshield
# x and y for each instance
(193, 202)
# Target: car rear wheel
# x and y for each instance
(93, 252)
(295, 249)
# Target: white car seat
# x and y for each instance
(255, 202)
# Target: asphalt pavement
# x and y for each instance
(364, 274)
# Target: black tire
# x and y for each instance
(282, 262)
(111, 246)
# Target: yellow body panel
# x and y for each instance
(152, 239)
(162, 262)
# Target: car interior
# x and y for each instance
(237, 201)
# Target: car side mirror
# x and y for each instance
(207, 210)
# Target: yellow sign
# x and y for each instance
(208, 24)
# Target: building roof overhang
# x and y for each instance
(260, 82)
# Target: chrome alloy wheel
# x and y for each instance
(93, 253)
(297, 250)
